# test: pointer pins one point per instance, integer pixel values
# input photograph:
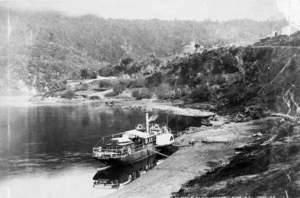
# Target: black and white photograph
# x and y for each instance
(150, 98)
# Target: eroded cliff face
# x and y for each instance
(253, 75)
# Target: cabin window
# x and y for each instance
(139, 141)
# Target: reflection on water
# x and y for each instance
(45, 151)
(73, 182)
(115, 177)
(50, 148)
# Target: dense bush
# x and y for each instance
(138, 82)
(154, 80)
(82, 87)
(118, 89)
(69, 94)
(201, 93)
(123, 80)
(126, 61)
(105, 84)
(107, 71)
(237, 93)
(218, 80)
(88, 74)
(141, 93)
(165, 91)
(182, 92)
(118, 85)
(94, 98)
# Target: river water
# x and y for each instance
(45, 150)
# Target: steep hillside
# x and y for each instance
(45, 47)
(264, 76)
(261, 76)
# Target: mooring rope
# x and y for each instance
(160, 153)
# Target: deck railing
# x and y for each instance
(116, 152)
(106, 139)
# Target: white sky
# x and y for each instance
(291, 11)
(161, 9)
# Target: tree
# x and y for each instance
(84, 73)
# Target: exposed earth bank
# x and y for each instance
(202, 150)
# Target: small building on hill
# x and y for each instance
(287, 30)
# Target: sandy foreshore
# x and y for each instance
(213, 145)
(150, 105)
(162, 106)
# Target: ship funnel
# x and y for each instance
(147, 122)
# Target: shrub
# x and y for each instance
(94, 98)
(154, 80)
(117, 90)
(236, 94)
(84, 73)
(119, 85)
(182, 92)
(107, 71)
(62, 87)
(135, 94)
(201, 93)
(165, 91)
(110, 94)
(219, 80)
(93, 75)
(124, 81)
(82, 87)
(68, 94)
(126, 61)
(141, 93)
(138, 82)
(105, 84)
(88, 74)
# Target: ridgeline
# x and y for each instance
(47, 48)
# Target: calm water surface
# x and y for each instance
(45, 150)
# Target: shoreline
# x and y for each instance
(190, 161)
(151, 105)
(202, 150)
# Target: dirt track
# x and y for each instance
(213, 146)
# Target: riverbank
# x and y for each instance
(267, 166)
(213, 146)
(151, 105)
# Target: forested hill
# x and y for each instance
(112, 39)
(52, 45)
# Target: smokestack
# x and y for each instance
(147, 122)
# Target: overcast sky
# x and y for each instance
(162, 9)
